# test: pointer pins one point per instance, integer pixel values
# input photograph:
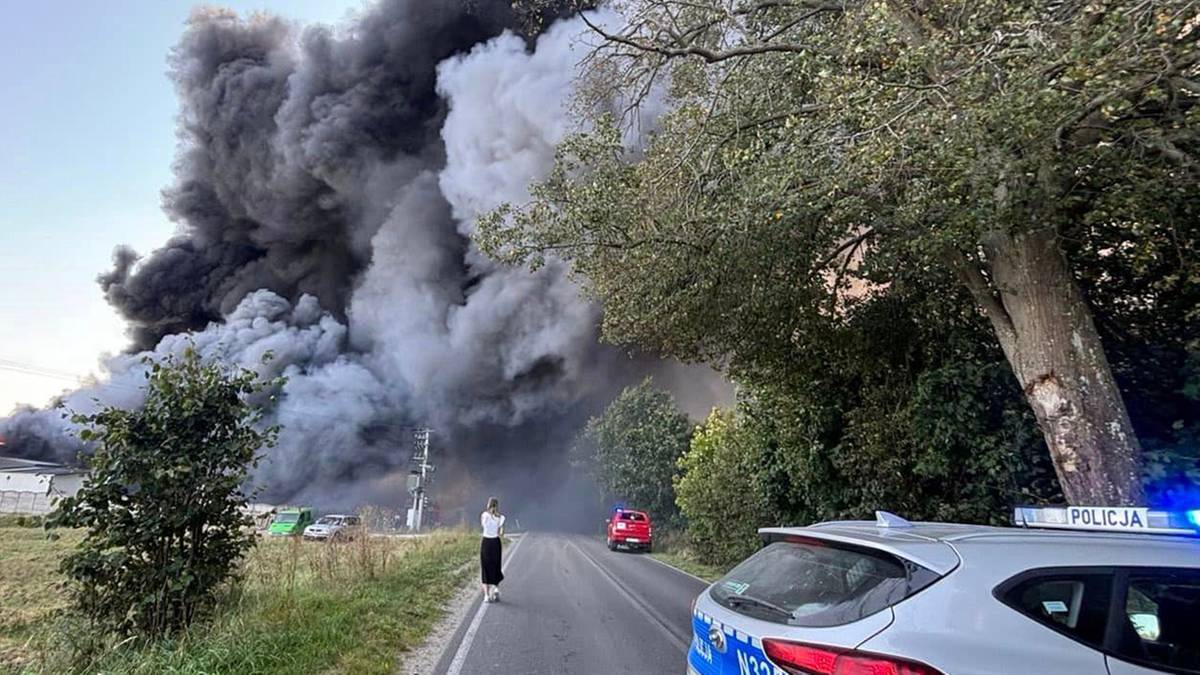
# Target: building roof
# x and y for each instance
(21, 465)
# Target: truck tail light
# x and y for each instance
(802, 659)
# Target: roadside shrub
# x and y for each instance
(163, 505)
(717, 489)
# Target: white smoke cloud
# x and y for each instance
(303, 342)
(508, 111)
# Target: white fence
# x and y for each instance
(24, 503)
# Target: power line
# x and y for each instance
(80, 381)
(30, 369)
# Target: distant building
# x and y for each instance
(261, 513)
(33, 488)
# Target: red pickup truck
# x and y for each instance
(631, 529)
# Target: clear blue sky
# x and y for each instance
(86, 143)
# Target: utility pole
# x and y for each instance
(421, 475)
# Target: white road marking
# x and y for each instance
(669, 565)
(638, 604)
(460, 657)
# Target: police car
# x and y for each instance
(1071, 591)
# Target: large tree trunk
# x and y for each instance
(1045, 329)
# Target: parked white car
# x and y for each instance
(1075, 591)
(333, 528)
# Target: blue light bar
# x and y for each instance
(1108, 519)
(1193, 517)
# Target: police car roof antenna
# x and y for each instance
(886, 519)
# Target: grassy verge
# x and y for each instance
(21, 521)
(29, 593)
(673, 549)
(303, 608)
(686, 561)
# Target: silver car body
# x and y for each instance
(956, 625)
(332, 527)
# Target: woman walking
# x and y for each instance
(489, 550)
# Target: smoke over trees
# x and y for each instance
(326, 185)
(818, 155)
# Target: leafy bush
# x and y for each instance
(718, 489)
(163, 503)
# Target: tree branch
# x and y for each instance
(1164, 146)
(709, 55)
(985, 297)
(851, 243)
(1137, 87)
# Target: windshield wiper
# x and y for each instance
(736, 600)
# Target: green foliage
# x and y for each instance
(910, 416)
(632, 449)
(162, 505)
(718, 489)
(887, 136)
(675, 549)
(896, 412)
(818, 156)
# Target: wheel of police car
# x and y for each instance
(1069, 591)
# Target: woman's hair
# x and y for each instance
(493, 506)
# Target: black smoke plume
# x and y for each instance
(289, 147)
(326, 187)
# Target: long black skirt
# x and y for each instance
(489, 560)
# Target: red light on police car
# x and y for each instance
(801, 659)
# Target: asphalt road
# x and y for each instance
(569, 605)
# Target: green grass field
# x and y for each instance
(303, 608)
(28, 588)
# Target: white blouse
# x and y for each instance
(491, 524)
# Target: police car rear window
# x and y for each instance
(635, 517)
(1159, 623)
(813, 583)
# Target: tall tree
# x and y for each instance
(632, 449)
(816, 151)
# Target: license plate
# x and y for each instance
(1129, 518)
(633, 541)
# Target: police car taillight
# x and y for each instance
(1108, 519)
(802, 659)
